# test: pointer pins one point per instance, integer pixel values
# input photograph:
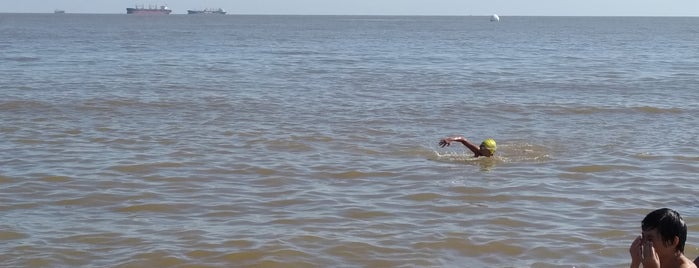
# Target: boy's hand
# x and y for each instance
(650, 257)
(635, 251)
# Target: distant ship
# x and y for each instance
(219, 11)
(59, 11)
(151, 10)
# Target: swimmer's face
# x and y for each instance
(485, 151)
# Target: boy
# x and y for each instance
(662, 242)
(486, 149)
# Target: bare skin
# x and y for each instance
(650, 251)
(477, 151)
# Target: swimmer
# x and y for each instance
(661, 243)
(486, 149)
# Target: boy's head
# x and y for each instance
(488, 147)
(668, 224)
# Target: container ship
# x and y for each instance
(151, 10)
(219, 11)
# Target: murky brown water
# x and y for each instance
(246, 141)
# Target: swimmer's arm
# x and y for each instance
(448, 140)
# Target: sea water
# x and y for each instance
(311, 141)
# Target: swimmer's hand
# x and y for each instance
(448, 140)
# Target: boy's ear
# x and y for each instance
(675, 242)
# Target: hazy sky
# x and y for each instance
(377, 7)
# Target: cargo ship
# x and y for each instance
(151, 10)
(219, 11)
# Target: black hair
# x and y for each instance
(669, 224)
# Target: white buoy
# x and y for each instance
(494, 17)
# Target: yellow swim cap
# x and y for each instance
(490, 145)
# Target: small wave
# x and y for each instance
(28, 141)
(582, 110)
(10, 235)
(22, 105)
(454, 157)
(4, 179)
(145, 168)
(56, 179)
(687, 158)
(656, 110)
(22, 58)
(277, 258)
(598, 168)
(421, 197)
(360, 250)
(94, 200)
(586, 110)
(154, 259)
(202, 254)
(292, 53)
(485, 163)
(243, 257)
(102, 239)
(364, 214)
(471, 248)
(355, 174)
(252, 170)
(285, 203)
(113, 104)
(524, 152)
(291, 146)
(156, 208)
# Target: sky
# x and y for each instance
(376, 7)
